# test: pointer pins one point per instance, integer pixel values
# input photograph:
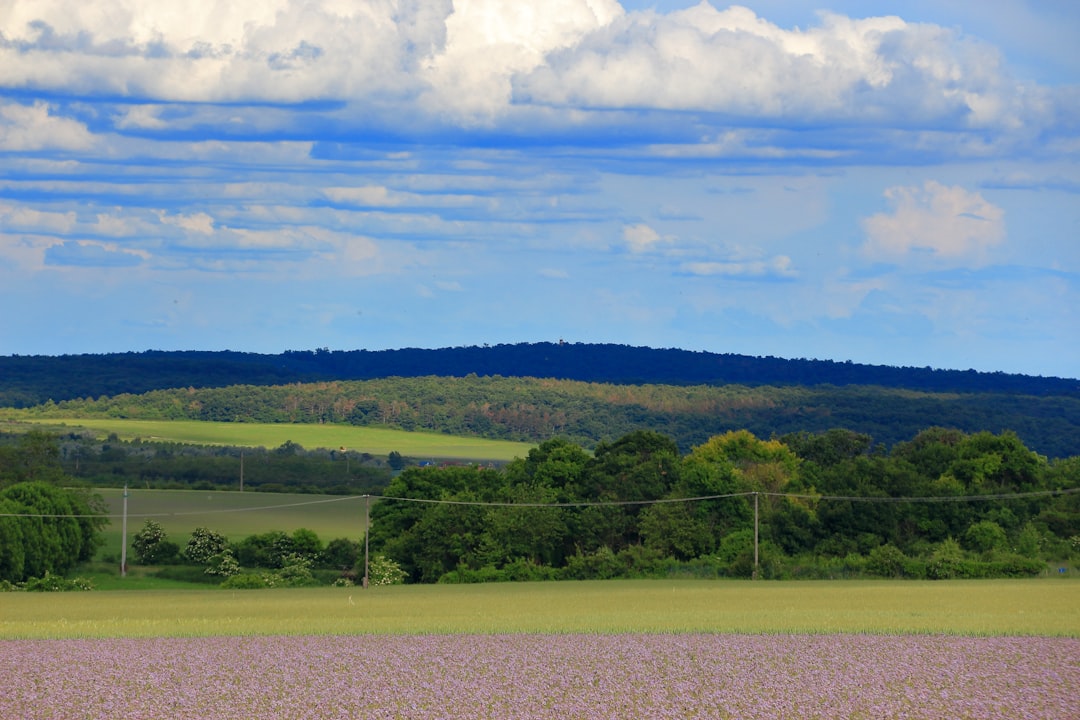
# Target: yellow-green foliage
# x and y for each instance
(989, 607)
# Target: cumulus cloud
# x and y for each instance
(879, 69)
(477, 63)
(25, 128)
(641, 238)
(950, 224)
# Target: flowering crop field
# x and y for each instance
(614, 649)
(543, 676)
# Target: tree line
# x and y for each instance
(177, 466)
(638, 507)
(534, 409)
(26, 381)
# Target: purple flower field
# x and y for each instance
(543, 676)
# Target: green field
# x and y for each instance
(233, 514)
(985, 607)
(377, 441)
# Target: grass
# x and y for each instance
(374, 440)
(985, 607)
(233, 514)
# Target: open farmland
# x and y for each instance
(233, 514)
(374, 440)
(983, 650)
(983, 607)
(748, 677)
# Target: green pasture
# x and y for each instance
(1044, 606)
(373, 440)
(233, 514)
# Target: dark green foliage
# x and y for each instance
(56, 583)
(532, 409)
(558, 512)
(53, 537)
(152, 546)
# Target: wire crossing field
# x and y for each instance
(233, 514)
(1044, 607)
(377, 441)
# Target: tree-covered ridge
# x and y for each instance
(636, 506)
(531, 409)
(30, 380)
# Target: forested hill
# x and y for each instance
(30, 380)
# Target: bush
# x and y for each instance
(244, 581)
(152, 546)
(984, 536)
(384, 571)
(887, 561)
(55, 583)
(463, 575)
(222, 565)
(205, 544)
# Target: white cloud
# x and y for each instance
(199, 222)
(779, 266)
(483, 62)
(26, 128)
(21, 217)
(731, 61)
(642, 238)
(489, 41)
(950, 223)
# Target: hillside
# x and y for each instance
(533, 410)
(26, 381)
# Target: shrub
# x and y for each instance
(946, 561)
(204, 544)
(222, 564)
(984, 536)
(55, 583)
(887, 561)
(152, 546)
(384, 571)
(244, 581)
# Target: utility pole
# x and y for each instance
(367, 533)
(241, 471)
(123, 532)
(755, 575)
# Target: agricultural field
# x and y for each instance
(374, 440)
(614, 649)
(1044, 606)
(235, 515)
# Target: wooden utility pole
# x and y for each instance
(123, 532)
(755, 575)
(367, 533)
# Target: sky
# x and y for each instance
(798, 179)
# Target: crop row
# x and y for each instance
(543, 676)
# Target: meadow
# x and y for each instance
(235, 515)
(373, 440)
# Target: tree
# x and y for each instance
(52, 537)
(152, 546)
(204, 544)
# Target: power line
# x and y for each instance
(587, 503)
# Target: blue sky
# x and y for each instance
(778, 178)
